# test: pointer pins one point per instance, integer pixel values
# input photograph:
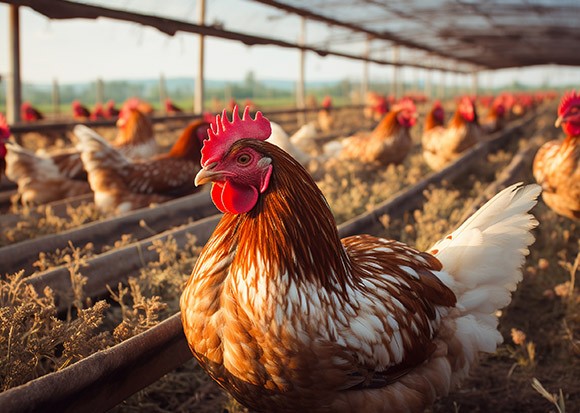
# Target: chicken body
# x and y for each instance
(135, 137)
(325, 117)
(495, 119)
(44, 178)
(59, 174)
(442, 145)
(287, 317)
(4, 136)
(80, 112)
(557, 163)
(121, 184)
(389, 143)
(29, 113)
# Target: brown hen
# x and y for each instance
(287, 317)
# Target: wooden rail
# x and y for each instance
(66, 125)
(104, 379)
(23, 254)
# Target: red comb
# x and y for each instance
(223, 133)
(404, 103)
(570, 99)
(4, 128)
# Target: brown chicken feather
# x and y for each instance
(135, 137)
(557, 164)
(42, 178)
(389, 142)
(442, 145)
(287, 317)
(121, 184)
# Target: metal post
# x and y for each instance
(198, 103)
(162, 90)
(396, 68)
(55, 97)
(100, 94)
(14, 86)
(300, 88)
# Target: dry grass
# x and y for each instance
(34, 222)
(36, 340)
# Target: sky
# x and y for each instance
(78, 50)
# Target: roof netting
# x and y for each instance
(459, 35)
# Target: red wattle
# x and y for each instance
(234, 198)
(216, 196)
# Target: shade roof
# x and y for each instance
(456, 35)
(492, 34)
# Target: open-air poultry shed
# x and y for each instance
(442, 39)
(462, 36)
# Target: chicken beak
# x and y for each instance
(559, 121)
(206, 175)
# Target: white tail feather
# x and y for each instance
(96, 152)
(484, 258)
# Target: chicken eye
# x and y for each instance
(244, 159)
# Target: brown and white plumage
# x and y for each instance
(287, 317)
(135, 135)
(388, 143)
(557, 163)
(44, 178)
(121, 184)
(445, 144)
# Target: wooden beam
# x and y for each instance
(199, 78)
(300, 86)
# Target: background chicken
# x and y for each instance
(98, 112)
(280, 138)
(135, 137)
(29, 113)
(4, 136)
(80, 112)
(443, 145)
(171, 108)
(287, 317)
(496, 117)
(435, 117)
(42, 178)
(325, 117)
(121, 184)
(388, 143)
(376, 106)
(111, 112)
(49, 176)
(557, 164)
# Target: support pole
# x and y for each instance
(300, 88)
(100, 94)
(55, 97)
(162, 91)
(14, 86)
(198, 103)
